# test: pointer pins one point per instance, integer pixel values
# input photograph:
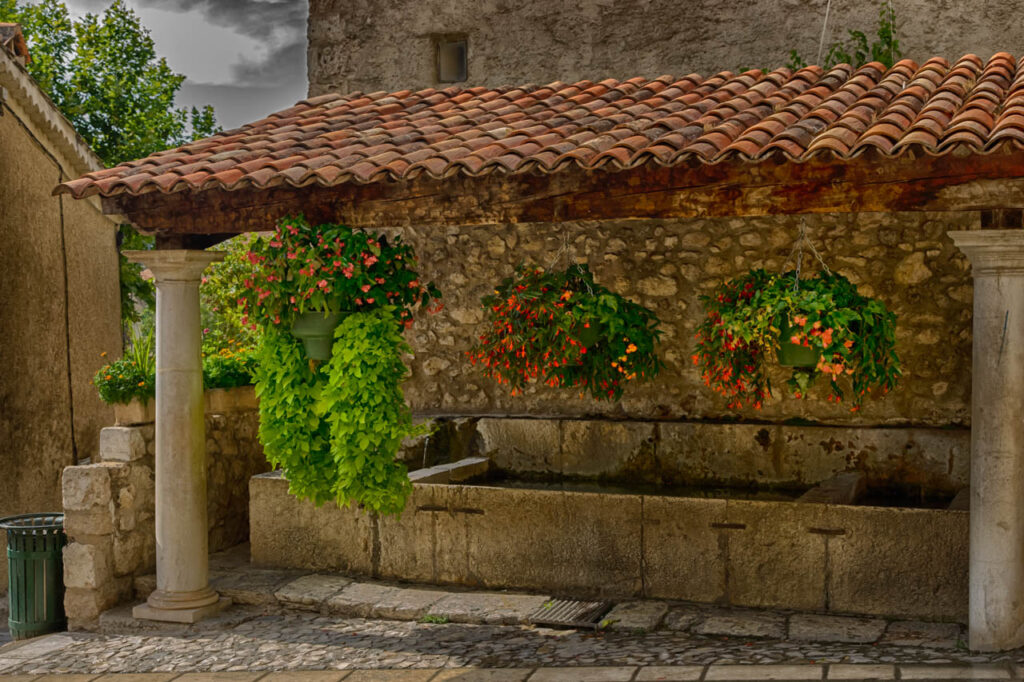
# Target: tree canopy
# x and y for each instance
(102, 71)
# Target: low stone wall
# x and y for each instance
(109, 505)
(697, 453)
(909, 563)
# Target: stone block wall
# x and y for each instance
(109, 507)
(904, 259)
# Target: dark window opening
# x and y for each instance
(452, 60)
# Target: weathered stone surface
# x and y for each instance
(486, 607)
(636, 616)
(918, 633)
(776, 672)
(407, 604)
(820, 628)
(86, 487)
(682, 618)
(683, 554)
(95, 521)
(912, 270)
(861, 671)
(592, 448)
(359, 599)
(842, 488)
(916, 558)
(521, 444)
(311, 591)
(736, 623)
(665, 673)
(584, 674)
(121, 444)
(253, 586)
(88, 566)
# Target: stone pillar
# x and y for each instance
(183, 593)
(996, 617)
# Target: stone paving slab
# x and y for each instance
(760, 672)
(636, 616)
(410, 603)
(811, 627)
(310, 591)
(954, 672)
(680, 619)
(487, 607)
(477, 675)
(584, 674)
(253, 586)
(669, 673)
(359, 599)
(916, 633)
(738, 623)
(840, 671)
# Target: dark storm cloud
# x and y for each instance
(260, 19)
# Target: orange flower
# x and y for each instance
(103, 354)
(631, 348)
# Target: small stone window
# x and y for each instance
(452, 59)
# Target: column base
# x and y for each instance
(187, 616)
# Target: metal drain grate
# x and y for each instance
(570, 613)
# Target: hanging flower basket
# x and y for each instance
(820, 326)
(561, 329)
(304, 275)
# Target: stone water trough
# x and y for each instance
(460, 528)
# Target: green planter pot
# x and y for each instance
(316, 331)
(792, 355)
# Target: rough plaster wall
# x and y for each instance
(905, 259)
(95, 306)
(35, 430)
(387, 44)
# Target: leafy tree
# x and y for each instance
(103, 73)
(856, 51)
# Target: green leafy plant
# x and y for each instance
(229, 368)
(330, 267)
(856, 51)
(562, 329)
(221, 296)
(335, 428)
(855, 337)
(131, 377)
(432, 619)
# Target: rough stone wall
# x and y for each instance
(389, 44)
(49, 345)
(904, 259)
(109, 508)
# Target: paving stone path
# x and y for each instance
(287, 621)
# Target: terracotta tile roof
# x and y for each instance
(364, 138)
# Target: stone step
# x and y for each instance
(455, 472)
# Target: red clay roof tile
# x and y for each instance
(372, 137)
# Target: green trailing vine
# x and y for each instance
(335, 428)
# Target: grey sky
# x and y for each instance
(245, 57)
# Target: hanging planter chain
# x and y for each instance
(798, 251)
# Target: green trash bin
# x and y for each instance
(35, 565)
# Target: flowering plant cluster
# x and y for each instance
(747, 319)
(303, 268)
(131, 377)
(564, 330)
(229, 367)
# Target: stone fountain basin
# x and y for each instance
(886, 561)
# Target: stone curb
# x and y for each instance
(631, 673)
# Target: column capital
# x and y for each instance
(992, 252)
(175, 265)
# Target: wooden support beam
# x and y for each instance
(870, 183)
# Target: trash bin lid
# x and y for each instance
(29, 523)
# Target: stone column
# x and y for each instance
(996, 616)
(183, 593)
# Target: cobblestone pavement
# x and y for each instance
(292, 641)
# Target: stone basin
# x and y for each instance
(887, 561)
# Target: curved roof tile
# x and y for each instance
(377, 137)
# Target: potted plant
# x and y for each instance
(331, 303)
(820, 326)
(129, 383)
(562, 329)
(308, 277)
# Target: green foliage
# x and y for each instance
(229, 368)
(132, 376)
(103, 73)
(221, 296)
(563, 329)
(745, 318)
(335, 428)
(856, 51)
(330, 267)
(432, 619)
